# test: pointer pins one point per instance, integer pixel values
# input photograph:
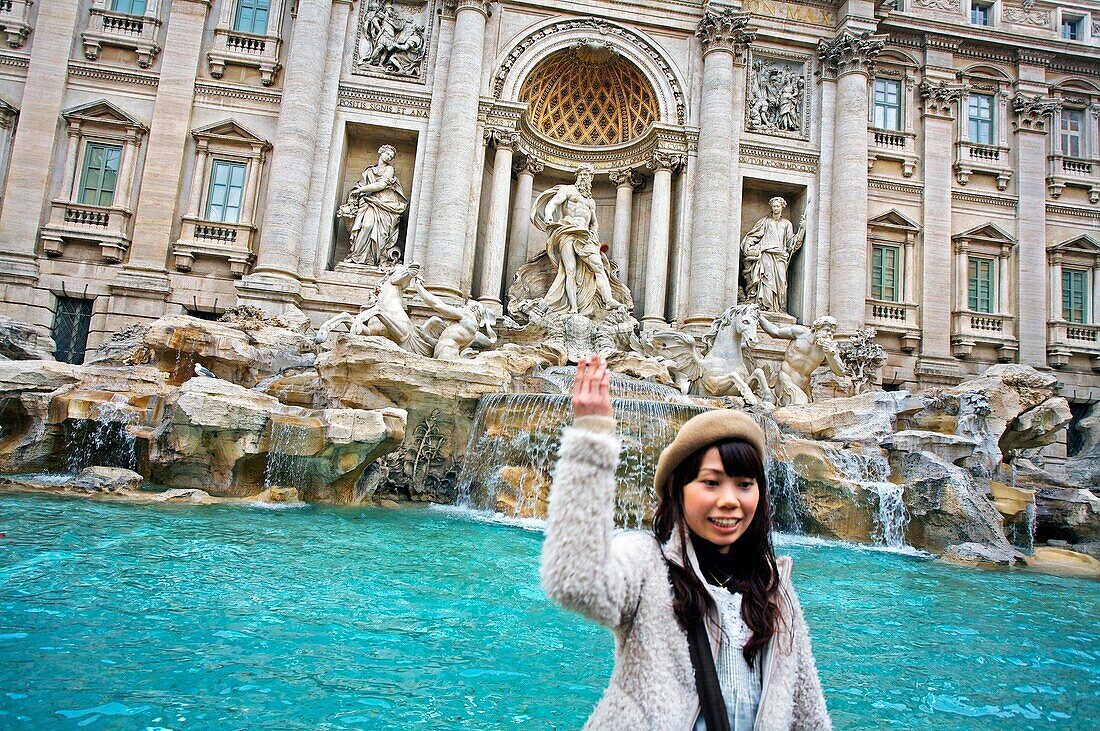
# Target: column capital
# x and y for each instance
(666, 160)
(501, 137)
(451, 8)
(726, 30)
(625, 177)
(850, 53)
(1032, 113)
(940, 99)
(529, 164)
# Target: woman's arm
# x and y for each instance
(583, 567)
(810, 712)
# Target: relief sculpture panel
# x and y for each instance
(777, 97)
(393, 39)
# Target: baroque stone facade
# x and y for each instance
(176, 156)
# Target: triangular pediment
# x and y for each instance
(1083, 244)
(103, 112)
(986, 232)
(894, 219)
(229, 130)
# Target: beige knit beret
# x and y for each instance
(703, 429)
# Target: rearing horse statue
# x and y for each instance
(726, 365)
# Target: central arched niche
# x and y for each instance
(589, 95)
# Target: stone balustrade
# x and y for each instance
(991, 328)
(1066, 339)
(107, 226)
(231, 242)
(899, 318)
(889, 144)
(135, 32)
(971, 157)
(1063, 170)
(245, 49)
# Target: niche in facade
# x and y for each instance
(755, 205)
(373, 197)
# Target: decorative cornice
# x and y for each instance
(777, 157)
(850, 53)
(99, 73)
(983, 199)
(1032, 113)
(1034, 57)
(950, 44)
(893, 186)
(725, 30)
(627, 176)
(666, 160)
(240, 93)
(19, 62)
(382, 101)
(940, 100)
(1074, 211)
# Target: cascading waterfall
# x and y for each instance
(871, 471)
(286, 467)
(515, 437)
(103, 439)
(783, 487)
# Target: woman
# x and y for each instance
(374, 209)
(708, 629)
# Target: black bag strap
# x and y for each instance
(706, 678)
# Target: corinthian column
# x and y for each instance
(725, 42)
(492, 259)
(295, 140)
(656, 269)
(450, 213)
(526, 170)
(1031, 123)
(939, 103)
(850, 58)
(625, 182)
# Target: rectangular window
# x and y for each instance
(887, 104)
(70, 329)
(981, 284)
(981, 13)
(100, 174)
(1073, 121)
(884, 273)
(252, 16)
(129, 7)
(1071, 28)
(223, 202)
(980, 113)
(1075, 295)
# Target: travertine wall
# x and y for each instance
(674, 202)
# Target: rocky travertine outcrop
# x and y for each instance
(19, 341)
(1083, 468)
(106, 479)
(232, 442)
(177, 343)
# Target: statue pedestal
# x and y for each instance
(350, 267)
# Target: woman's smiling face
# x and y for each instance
(717, 507)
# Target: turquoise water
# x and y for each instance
(227, 617)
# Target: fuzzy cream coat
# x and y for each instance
(621, 581)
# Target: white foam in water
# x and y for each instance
(486, 516)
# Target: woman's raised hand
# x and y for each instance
(591, 388)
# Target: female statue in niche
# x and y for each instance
(373, 211)
(766, 251)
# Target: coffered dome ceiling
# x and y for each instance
(589, 96)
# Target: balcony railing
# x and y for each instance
(972, 157)
(245, 49)
(135, 32)
(899, 318)
(107, 226)
(888, 144)
(14, 23)
(1067, 339)
(1063, 171)
(993, 328)
(231, 242)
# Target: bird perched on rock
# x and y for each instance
(201, 370)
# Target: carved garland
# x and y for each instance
(603, 28)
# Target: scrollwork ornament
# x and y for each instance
(725, 30)
(1032, 113)
(501, 137)
(528, 163)
(666, 159)
(851, 53)
(627, 176)
(1028, 15)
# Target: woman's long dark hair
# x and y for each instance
(751, 557)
